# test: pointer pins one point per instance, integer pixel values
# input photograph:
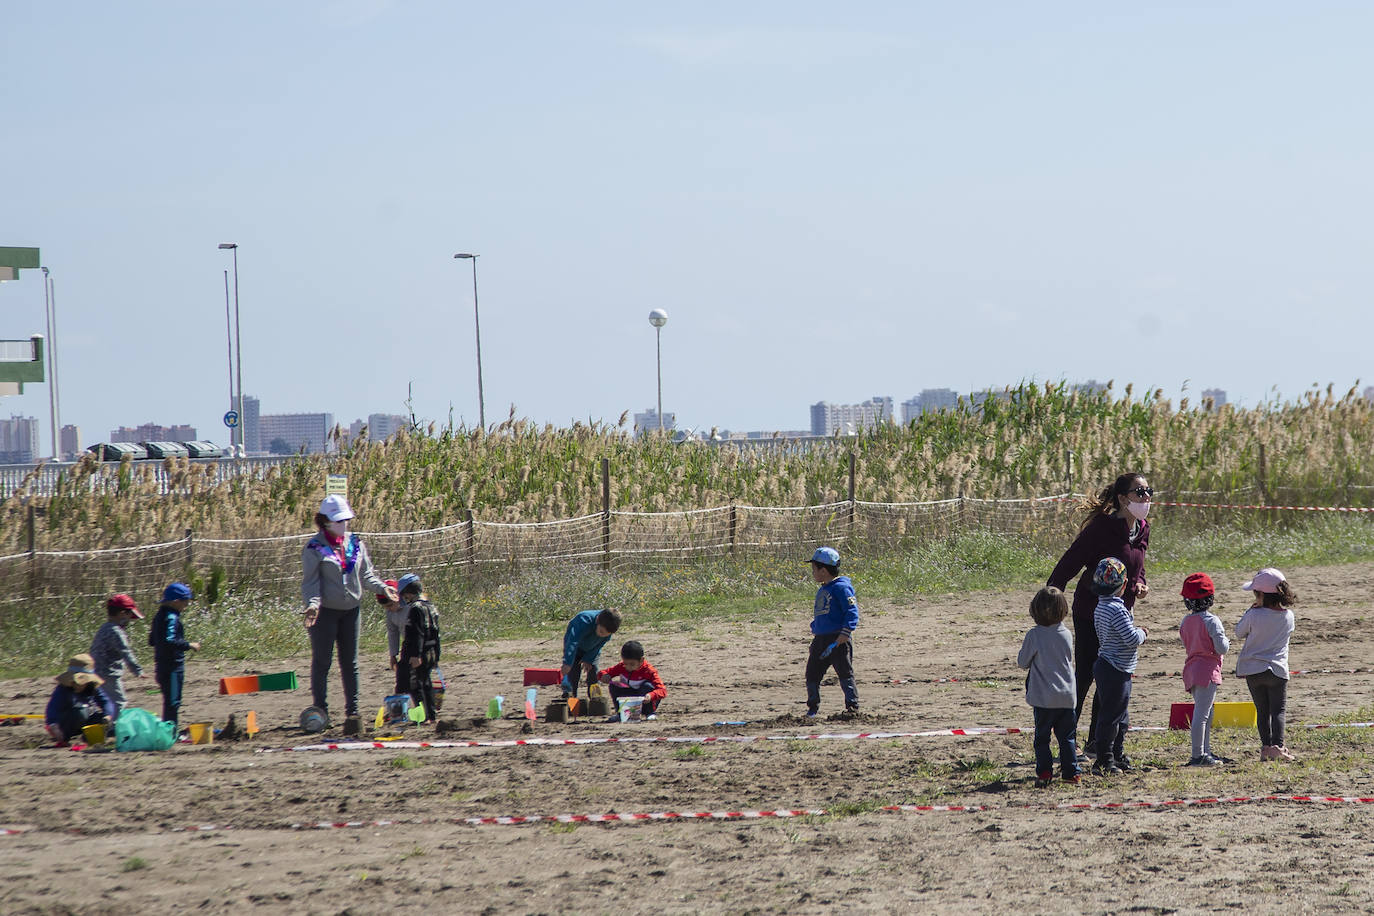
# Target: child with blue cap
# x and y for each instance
(420, 644)
(167, 636)
(835, 616)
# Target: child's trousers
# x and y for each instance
(1270, 693)
(1062, 723)
(422, 688)
(620, 690)
(1114, 717)
(842, 658)
(1204, 696)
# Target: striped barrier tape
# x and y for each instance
(1289, 508)
(1235, 799)
(647, 739)
(1340, 725)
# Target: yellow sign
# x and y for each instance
(336, 485)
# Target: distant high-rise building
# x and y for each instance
(252, 409)
(828, 419)
(152, 432)
(69, 442)
(1217, 395)
(1369, 393)
(289, 433)
(19, 440)
(1091, 386)
(647, 421)
(382, 426)
(931, 400)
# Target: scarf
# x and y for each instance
(346, 555)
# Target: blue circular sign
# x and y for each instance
(231, 418)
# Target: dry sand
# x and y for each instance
(107, 832)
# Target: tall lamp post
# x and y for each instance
(658, 318)
(50, 313)
(477, 327)
(229, 336)
(238, 341)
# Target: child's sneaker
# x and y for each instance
(1281, 752)
(812, 713)
(1072, 778)
(1105, 768)
(1042, 780)
(1125, 765)
(353, 726)
(1206, 760)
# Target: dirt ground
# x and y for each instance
(112, 832)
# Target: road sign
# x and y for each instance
(231, 418)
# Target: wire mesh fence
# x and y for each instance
(616, 542)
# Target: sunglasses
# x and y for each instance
(1146, 492)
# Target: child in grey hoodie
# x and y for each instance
(1047, 654)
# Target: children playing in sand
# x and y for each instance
(420, 644)
(77, 701)
(1205, 640)
(1047, 655)
(582, 643)
(1263, 660)
(634, 677)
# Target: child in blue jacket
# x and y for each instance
(167, 636)
(835, 617)
(582, 642)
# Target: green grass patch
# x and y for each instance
(404, 762)
(134, 863)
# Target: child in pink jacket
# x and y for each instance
(1205, 640)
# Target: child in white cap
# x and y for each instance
(1263, 661)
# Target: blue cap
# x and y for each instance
(827, 555)
(406, 581)
(177, 591)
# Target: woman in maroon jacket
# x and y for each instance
(1115, 526)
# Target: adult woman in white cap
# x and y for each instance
(335, 568)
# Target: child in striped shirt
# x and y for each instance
(1119, 639)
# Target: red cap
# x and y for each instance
(123, 602)
(381, 599)
(1198, 585)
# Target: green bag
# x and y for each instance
(140, 730)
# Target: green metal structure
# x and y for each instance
(20, 360)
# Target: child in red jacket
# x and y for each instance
(634, 677)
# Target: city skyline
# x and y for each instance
(827, 202)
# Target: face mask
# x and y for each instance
(1138, 510)
(337, 530)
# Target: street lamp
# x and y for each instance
(54, 404)
(238, 340)
(229, 336)
(477, 327)
(658, 318)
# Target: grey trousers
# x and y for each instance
(1204, 697)
(342, 628)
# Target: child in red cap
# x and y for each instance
(1204, 638)
(111, 651)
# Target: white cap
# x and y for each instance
(1266, 580)
(336, 508)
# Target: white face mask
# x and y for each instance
(1138, 510)
(338, 529)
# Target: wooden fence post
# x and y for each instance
(1068, 471)
(1263, 476)
(852, 505)
(190, 550)
(33, 555)
(734, 522)
(470, 540)
(606, 514)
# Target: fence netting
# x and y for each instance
(618, 541)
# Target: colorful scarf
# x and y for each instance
(346, 556)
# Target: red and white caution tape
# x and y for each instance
(646, 739)
(1341, 725)
(1289, 508)
(1235, 799)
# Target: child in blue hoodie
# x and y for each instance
(832, 626)
(582, 642)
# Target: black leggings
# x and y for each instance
(1085, 647)
(1270, 693)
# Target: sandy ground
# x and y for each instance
(108, 832)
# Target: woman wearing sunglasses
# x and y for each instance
(1114, 526)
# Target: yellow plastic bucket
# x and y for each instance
(1234, 715)
(95, 734)
(202, 733)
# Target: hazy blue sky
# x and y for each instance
(832, 201)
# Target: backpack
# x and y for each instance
(429, 632)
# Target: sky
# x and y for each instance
(831, 201)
